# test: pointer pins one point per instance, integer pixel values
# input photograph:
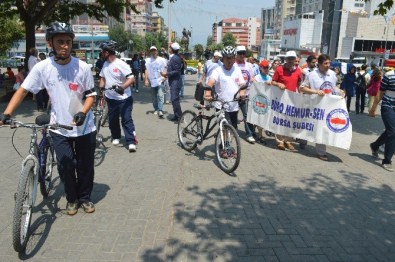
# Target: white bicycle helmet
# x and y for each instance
(228, 51)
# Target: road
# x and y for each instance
(165, 204)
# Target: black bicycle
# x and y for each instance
(37, 169)
(191, 132)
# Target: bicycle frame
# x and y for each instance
(220, 119)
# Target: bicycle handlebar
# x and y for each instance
(16, 124)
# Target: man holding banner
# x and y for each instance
(287, 76)
(321, 81)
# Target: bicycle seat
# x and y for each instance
(43, 119)
(200, 107)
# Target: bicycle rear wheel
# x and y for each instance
(23, 207)
(188, 130)
(227, 148)
(47, 169)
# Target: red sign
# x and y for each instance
(292, 31)
(382, 50)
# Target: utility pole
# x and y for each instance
(169, 24)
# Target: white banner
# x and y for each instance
(318, 119)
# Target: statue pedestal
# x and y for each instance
(187, 55)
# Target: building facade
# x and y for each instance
(246, 31)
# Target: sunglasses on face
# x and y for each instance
(264, 67)
(241, 53)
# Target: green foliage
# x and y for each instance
(11, 31)
(229, 39)
(122, 37)
(33, 13)
(384, 7)
(199, 50)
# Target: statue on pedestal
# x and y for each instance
(185, 38)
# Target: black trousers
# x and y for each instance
(75, 159)
(360, 100)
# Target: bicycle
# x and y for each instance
(227, 142)
(100, 112)
(37, 168)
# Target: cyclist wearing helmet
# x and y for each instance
(227, 79)
(116, 73)
(70, 85)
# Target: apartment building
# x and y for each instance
(246, 31)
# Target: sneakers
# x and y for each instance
(388, 167)
(281, 146)
(115, 142)
(72, 208)
(375, 152)
(290, 146)
(88, 207)
(250, 140)
(132, 148)
(323, 157)
(156, 112)
(160, 114)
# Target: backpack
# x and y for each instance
(361, 81)
(136, 65)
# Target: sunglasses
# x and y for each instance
(265, 67)
(241, 53)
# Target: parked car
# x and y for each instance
(13, 62)
(190, 70)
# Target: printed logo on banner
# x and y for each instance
(260, 104)
(327, 87)
(338, 120)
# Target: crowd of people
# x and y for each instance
(69, 83)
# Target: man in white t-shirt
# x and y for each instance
(117, 74)
(248, 72)
(227, 79)
(69, 82)
(321, 81)
(155, 66)
(209, 67)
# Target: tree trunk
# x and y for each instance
(30, 30)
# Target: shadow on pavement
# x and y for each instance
(321, 219)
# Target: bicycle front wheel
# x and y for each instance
(23, 207)
(227, 148)
(46, 173)
(188, 130)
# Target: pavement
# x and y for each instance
(165, 204)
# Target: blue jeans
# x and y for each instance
(388, 136)
(158, 97)
(248, 127)
(182, 87)
(75, 157)
(124, 109)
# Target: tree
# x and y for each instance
(12, 31)
(229, 39)
(384, 7)
(199, 50)
(33, 13)
(122, 37)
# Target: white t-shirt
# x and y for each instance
(262, 78)
(248, 73)
(32, 62)
(227, 83)
(325, 82)
(209, 67)
(66, 85)
(155, 66)
(115, 73)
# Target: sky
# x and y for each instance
(198, 16)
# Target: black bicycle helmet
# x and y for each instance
(109, 46)
(59, 28)
(228, 51)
